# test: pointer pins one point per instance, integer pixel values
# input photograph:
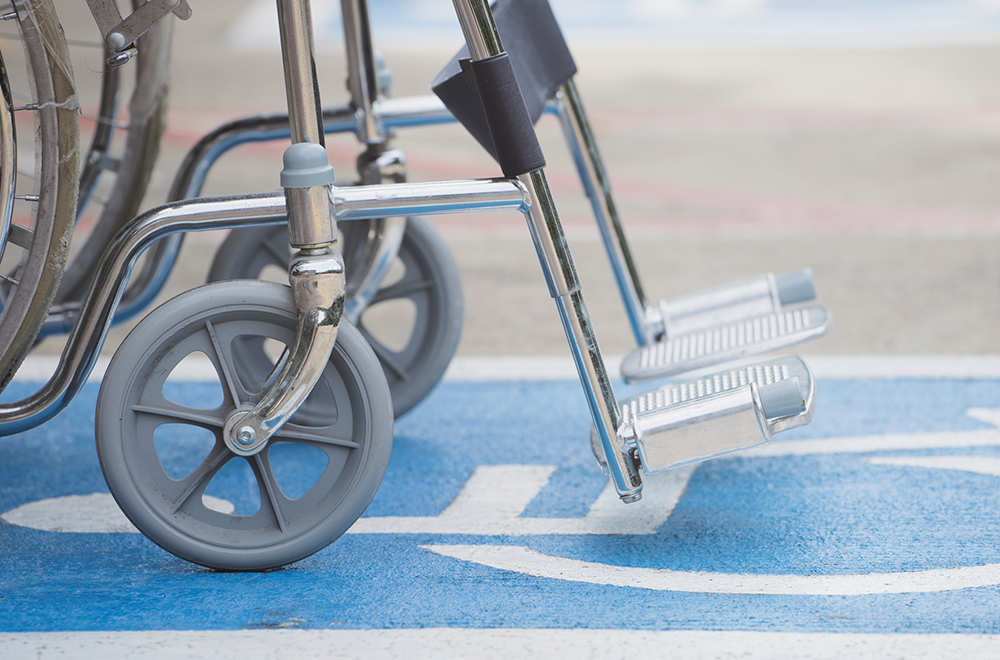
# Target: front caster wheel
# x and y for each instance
(161, 446)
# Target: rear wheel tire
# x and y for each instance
(414, 322)
(34, 256)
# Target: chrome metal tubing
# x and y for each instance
(569, 108)
(301, 86)
(362, 80)
(87, 337)
(481, 35)
(147, 284)
(350, 203)
(392, 113)
(560, 274)
(317, 271)
(376, 165)
(434, 198)
(381, 249)
(318, 287)
(309, 221)
(604, 410)
(97, 160)
(483, 40)
(205, 214)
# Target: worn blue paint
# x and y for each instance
(832, 514)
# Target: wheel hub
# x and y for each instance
(241, 439)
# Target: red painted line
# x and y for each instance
(651, 206)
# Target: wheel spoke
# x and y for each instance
(385, 356)
(268, 484)
(224, 366)
(175, 413)
(301, 435)
(202, 474)
(402, 289)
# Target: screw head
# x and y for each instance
(246, 435)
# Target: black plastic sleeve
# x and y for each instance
(511, 128)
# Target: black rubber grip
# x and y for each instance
(513, 134)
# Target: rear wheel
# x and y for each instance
(38, 82)
(125, 132)
(413, 323)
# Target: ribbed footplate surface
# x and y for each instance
(685, 422)
(683, 353)
(761, 373)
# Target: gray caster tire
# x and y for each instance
(415, 320)
(161, 449)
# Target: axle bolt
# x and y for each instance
(246, 435)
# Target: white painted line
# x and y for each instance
(96, 513)
(530, 562)
(489, 644)
(516, 367)
(479, 511)
(988, 465)
(492, 500)
(496, 493)
(850, 367)
(863, 444)
(37, 369)
(490, 504)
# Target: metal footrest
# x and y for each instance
(727, 323)
(690, 421)
(761, 334)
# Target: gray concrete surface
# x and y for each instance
(877, 167)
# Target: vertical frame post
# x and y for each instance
(483, 40)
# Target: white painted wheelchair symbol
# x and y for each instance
(493, 499)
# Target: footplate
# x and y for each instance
(690, 421)
(682, 353)
(727, 323)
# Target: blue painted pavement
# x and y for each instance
(803, 514)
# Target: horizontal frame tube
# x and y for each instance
(206, 214)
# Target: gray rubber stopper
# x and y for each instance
(796, 287)
(306, 165)
(781, 399)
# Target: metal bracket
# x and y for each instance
(120, 34)
(318, 286)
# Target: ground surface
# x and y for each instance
(869, 532)
(870, 155)
(741, 137)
